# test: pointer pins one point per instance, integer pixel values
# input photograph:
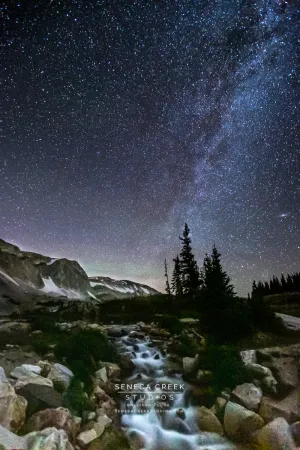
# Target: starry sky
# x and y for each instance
(122, 119)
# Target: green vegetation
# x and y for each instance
(79, 349)
(76, 398)
(226, 366)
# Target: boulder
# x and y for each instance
(111, 438)
(257, 371)
(88, 436)
(11, 441)
(113, 371)
(189, 365)
(101, 375)
(39, 394)
(60, 374)
(207, 421)
(12, 406)
(276, 435)
(126, 363)
(240, 423)
(25, 371)
(48, 439)
(60, 418)
(288, 407)
(45, 368)
(295, 429)
(248, 356)
(285, 371)
(219, 407)
(269, 385)
(247, 395)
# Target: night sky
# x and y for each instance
(121, 120)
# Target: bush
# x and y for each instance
(170, 323)
(45, 323)
(187, 345)
(226, 365)
(76, 399)
(82, 349)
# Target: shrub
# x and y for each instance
(170, 323)
(226, 365)
(187, 345)
(82, 349)
(45, 323)
(76, 399)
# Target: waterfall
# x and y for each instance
(159, 418)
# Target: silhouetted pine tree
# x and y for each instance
(168, 290)
(190, 275)
(176, 283)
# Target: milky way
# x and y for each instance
(122, 119)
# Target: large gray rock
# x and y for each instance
(207, 421)
(101, 375)
(11, 441)
(61, 374)
(240, 423)
(276, 436)
(288, 407)
(48, 439)
(59, 418)
(189, 365)
(258, 371)
(12, 406)
(88, 436)
(39, 395)
(247, 395)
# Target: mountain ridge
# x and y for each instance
(33, 274)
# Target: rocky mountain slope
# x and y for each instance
(27, 275)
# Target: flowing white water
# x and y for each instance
(154, 419)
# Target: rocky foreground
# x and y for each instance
(260, 414)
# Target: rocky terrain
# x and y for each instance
(260, 413)
(28, 278)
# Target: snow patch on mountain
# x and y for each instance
(51, 288)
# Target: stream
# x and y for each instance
(155, 407)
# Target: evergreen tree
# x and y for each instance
(168, 290)
(176, 278)
(189, 269)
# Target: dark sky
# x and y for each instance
(122, 119)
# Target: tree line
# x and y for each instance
(288, 283)
(210, 293)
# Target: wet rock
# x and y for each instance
(189, 365)
(180, 413)
(126, 363)
(247, 395)
(59, 418)
(12, 406)
(276, 435)
(177, 424)
(100, 394)
(240, 423)
(207, 421)
(136, 335)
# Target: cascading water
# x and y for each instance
(159, 419)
